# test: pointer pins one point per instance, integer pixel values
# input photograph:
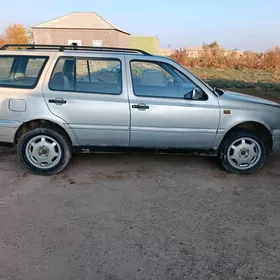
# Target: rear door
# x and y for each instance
(88, 93)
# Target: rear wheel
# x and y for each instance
(243, 152)
(44, 151)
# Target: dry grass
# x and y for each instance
(212, 56)
(255, 82)
(253, 73)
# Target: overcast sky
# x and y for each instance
(241, 24)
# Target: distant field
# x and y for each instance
(260, 83)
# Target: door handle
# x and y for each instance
(140, 106)
(58, 101)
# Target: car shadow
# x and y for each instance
(161, 162)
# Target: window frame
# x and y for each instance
(39, 73)
(157, 62)
(86, 58)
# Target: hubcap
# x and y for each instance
(43, 151)
(244, 153)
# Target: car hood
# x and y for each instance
(248, 98)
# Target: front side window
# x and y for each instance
(157, 79)
(21, 71)
(87, 75)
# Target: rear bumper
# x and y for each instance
(276, 141)
(8, 130)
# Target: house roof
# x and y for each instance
(80, 21)
(193, 48)
(225, 50)
(164, 51)
(198, 49)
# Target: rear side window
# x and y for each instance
(87, 75)
(21, 71)
(63, 76)
(5, 67)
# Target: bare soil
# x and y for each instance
(119, 216)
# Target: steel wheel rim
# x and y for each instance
(43, 152)
(244, 153)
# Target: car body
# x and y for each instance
(105, 98)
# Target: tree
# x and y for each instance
(2, 41)
(212, 55)
(180, 56)
(30, 35)
(15, 34)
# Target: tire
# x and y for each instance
(44, 151)
(243, 152)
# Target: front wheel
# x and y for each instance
(44, 151)
(243, 152)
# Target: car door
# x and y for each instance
(163, 114)
(87, 92)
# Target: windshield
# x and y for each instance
(208, 86)
(214, 89)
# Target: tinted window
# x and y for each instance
(156, 79)
(91, 76)
(20, 71)
(63, 75)
(33, 65)
(99, 76)
(5, 66)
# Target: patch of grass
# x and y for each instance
(255, 82)
(252, 76)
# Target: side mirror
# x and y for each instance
(196, 94)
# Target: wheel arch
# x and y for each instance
(31, 124)
(260, 128)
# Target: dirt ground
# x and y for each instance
(116, 217)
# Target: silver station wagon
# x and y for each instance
(56, 100)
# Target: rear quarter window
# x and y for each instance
(5, 66)
(21, 71)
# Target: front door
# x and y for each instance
(88, 93)
(163, 114)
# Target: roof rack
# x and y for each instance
(74, 46)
